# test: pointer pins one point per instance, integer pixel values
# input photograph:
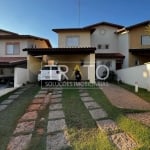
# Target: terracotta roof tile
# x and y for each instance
(12, 61)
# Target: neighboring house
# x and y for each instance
(102, 36)
(134, 43)
(11, 54)
(139, 43)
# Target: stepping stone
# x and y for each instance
(84, 94)
(34, 107)
(109, 126)
(7, 102)
(58, 114)
(91, 105)
(56, 96)
(22, 90)
(87, 99)
(98, 114)
(123, 141)
(40, 96)
(56, 125)
(56, 100)
(13, 96)
(57, 141)
(38, 101)
(20, 142)
(18, 92)
(81, 90)
(141, 117)
(29, 116)
(55, 106)
(25, 127)
(57, 92)
(3, 107)
(43, 92)
(46, 100)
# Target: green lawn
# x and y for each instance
(135, 129)
(82, 129)
(10, 116)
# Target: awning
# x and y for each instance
(140, 52)
(59, 51)
(12, 61)
(110, 55)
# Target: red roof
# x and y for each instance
(18, 36)
(9, 61)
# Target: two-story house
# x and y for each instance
(11, 54)
(103, 43)
(74, 51)
(76, 47)
(105, 39)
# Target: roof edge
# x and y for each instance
(104, 23)
(6, 31)
(138, 24)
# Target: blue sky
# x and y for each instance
(39, 17)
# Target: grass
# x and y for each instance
(6, 95)
(82, 129)
(10, 116)
(135, 129)
(143, 93)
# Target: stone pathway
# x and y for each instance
(4, 104)
(56, 128)
(121, 139)
(22, 135)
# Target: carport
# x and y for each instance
(84, 58)
(9, 72)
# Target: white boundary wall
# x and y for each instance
(20, 76)
(137, 74)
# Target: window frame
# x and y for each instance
(13, 50)
(106, 46)
(145, 44)
(71, 37)
(99, 46)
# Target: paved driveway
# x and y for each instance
(124, 99)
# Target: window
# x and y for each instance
(1, 71)
(46, 68)
(99, 46)
(145, 40)
(107, 46)
(103, 46)
(12, 49)
(54, 68)
(72, 41)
